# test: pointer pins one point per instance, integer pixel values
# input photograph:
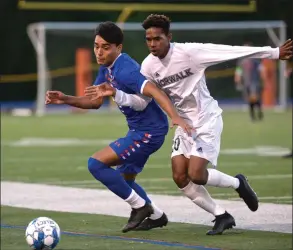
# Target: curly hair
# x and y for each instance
(158, 21)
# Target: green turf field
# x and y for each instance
(193, 235)
(54, 150)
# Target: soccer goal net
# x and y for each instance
(66, 62)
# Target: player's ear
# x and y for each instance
(119, 47)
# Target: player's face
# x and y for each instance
(105, 52)
(158, 42)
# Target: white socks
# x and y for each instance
(219, 179)
(134, 200)
(197, 193)
(157, 212)
(200, 196)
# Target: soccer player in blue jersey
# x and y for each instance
(148, 125)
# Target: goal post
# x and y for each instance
(52, 39)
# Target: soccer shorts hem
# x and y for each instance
(134, 150)
(204, 143)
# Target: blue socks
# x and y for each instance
(113, 180)
(139, 190)
(110, 178)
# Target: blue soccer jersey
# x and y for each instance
(124, 74)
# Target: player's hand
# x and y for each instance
(54, 97)
(101, 90)
(180, 122)
(286, 50)
(105, 89)
(91, 92)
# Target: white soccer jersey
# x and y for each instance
(181, 75)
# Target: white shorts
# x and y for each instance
(204, 143)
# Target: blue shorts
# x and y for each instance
(134, 150)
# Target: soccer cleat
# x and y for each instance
(149, 224)
(137, 216)
(246, 193)
(132, 214)
(222, 222)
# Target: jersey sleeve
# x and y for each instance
(133, 80)
(136, 102)
(100, 77)
(204, 55)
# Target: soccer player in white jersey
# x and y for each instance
(179, 70)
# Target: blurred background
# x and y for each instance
(57, 54)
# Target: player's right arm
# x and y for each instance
(134, 101)
(83, 102)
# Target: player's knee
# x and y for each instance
(198, 175)
(130, 179)
(181, 179)
(95, 167)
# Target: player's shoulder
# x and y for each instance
(181, 49)
(148, 61)
(179, 46)
(185, 47)
(127, 66)
(128, 63)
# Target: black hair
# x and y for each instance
(110, 32)
(158, 21)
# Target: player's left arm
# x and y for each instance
(204, 54)
(151, 90)
(134, 101)
(139, 84)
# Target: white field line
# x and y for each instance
(269, 217)
(57, 142)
